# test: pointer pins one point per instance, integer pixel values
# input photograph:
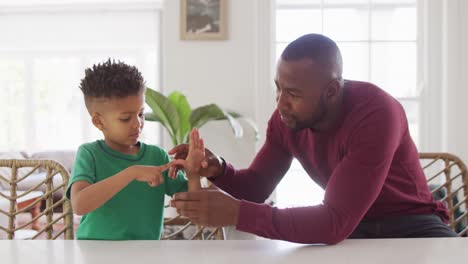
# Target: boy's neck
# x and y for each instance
(124, 149)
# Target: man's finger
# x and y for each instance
(192, 214)
(171, 172)
(179, 162)
(178, 148)
(186, 196)
(186, 205)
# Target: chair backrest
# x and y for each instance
(447, 177)
(56, 213)
(178, 227)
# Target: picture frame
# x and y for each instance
(203, 19)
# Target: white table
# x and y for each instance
(437, 251)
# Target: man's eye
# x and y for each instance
(294, 95)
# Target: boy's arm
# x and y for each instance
(195, 157)
(86, 197)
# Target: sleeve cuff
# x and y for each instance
(228, 169)
(253, 217)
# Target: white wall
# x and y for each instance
(225, 72)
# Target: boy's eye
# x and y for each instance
(125, 119)
(140, 114)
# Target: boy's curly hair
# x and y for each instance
(111, 79)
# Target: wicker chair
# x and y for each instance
(448, 179)
(182, 228)
(179, 227)
(52, 168)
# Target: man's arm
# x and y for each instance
(351, 190)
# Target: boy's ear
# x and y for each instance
(97, 122)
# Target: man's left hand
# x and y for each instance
(207, 207)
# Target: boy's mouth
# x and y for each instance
(135, 135)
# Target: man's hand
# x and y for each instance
(210, 166)
(207, 207)
(150, 174)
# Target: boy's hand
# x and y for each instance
(150, 174)
(195, 156)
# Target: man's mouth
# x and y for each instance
(286, 118)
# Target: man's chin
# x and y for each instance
(291, 125)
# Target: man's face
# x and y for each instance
(300, 93)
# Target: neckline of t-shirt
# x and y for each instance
(109, 151)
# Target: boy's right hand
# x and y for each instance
(149, 174)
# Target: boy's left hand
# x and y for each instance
(195, 155)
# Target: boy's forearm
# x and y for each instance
(193, 182)
(95, 195)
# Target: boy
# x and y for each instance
(118, 184)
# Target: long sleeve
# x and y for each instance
(352, 187)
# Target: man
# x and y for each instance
(351, 137)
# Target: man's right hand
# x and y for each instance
(211, 166)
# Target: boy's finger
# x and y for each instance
(202, 145)
(166, 166)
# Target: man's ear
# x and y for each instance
(97, 121)
(333, 89)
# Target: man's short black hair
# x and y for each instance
(318, 48)
(111, 79)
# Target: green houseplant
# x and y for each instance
(176, 115)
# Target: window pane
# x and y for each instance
(394, 2)
(298, 189)
(346, 23)
(394, 24)
(293, 23)
(279, 49)
(13, 110)
(355, 60)
(58, 101)
(394, 68)
(412, 113)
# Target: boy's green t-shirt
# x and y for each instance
(136, 212)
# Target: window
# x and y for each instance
(42, 59)
(378, 41)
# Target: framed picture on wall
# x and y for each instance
(203, 19)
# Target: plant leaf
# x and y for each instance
(206, 113)
(183, 108)
(152, 117)
(165, 111)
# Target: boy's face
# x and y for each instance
(121, 120)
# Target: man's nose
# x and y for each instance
(281, 101)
